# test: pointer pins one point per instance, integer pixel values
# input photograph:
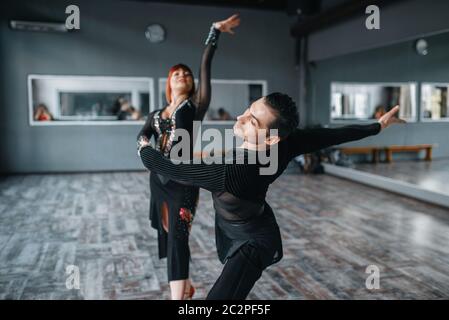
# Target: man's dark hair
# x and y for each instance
(287, 114)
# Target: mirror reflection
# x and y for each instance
(229, 98)
(434, 102)
(67, 99)
(364, 101)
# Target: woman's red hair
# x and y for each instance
(170, 73)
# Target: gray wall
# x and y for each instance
(395, 63)
(111, 42)
(399, 21)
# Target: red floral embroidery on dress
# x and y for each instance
(185, 215)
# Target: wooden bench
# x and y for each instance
(414, 148)
(373, 151)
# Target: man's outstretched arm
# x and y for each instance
(305, 141)
(235, 178)
(207, 176)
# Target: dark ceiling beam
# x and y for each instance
(334, 15)
(274, 5)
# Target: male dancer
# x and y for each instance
(247, 234)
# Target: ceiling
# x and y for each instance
(311, 15)
(288, 6)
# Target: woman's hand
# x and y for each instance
(228, 24)
(141, 143)
(388, 118)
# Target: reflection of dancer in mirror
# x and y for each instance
(247, 235)
(42, 113)
(223, 115)
(172, 205)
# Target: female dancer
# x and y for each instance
(172, 205)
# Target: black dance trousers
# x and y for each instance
(239, 275)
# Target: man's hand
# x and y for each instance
(228, 24)
(388, 118)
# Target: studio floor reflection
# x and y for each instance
(430, 175)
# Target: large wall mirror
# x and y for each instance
(230, 98)
(434, 102)
(68, 100)
(364, 101)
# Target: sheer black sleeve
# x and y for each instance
(234, 178)
(147, 130)
(203, 94)
(207, 176)
(309, 140)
